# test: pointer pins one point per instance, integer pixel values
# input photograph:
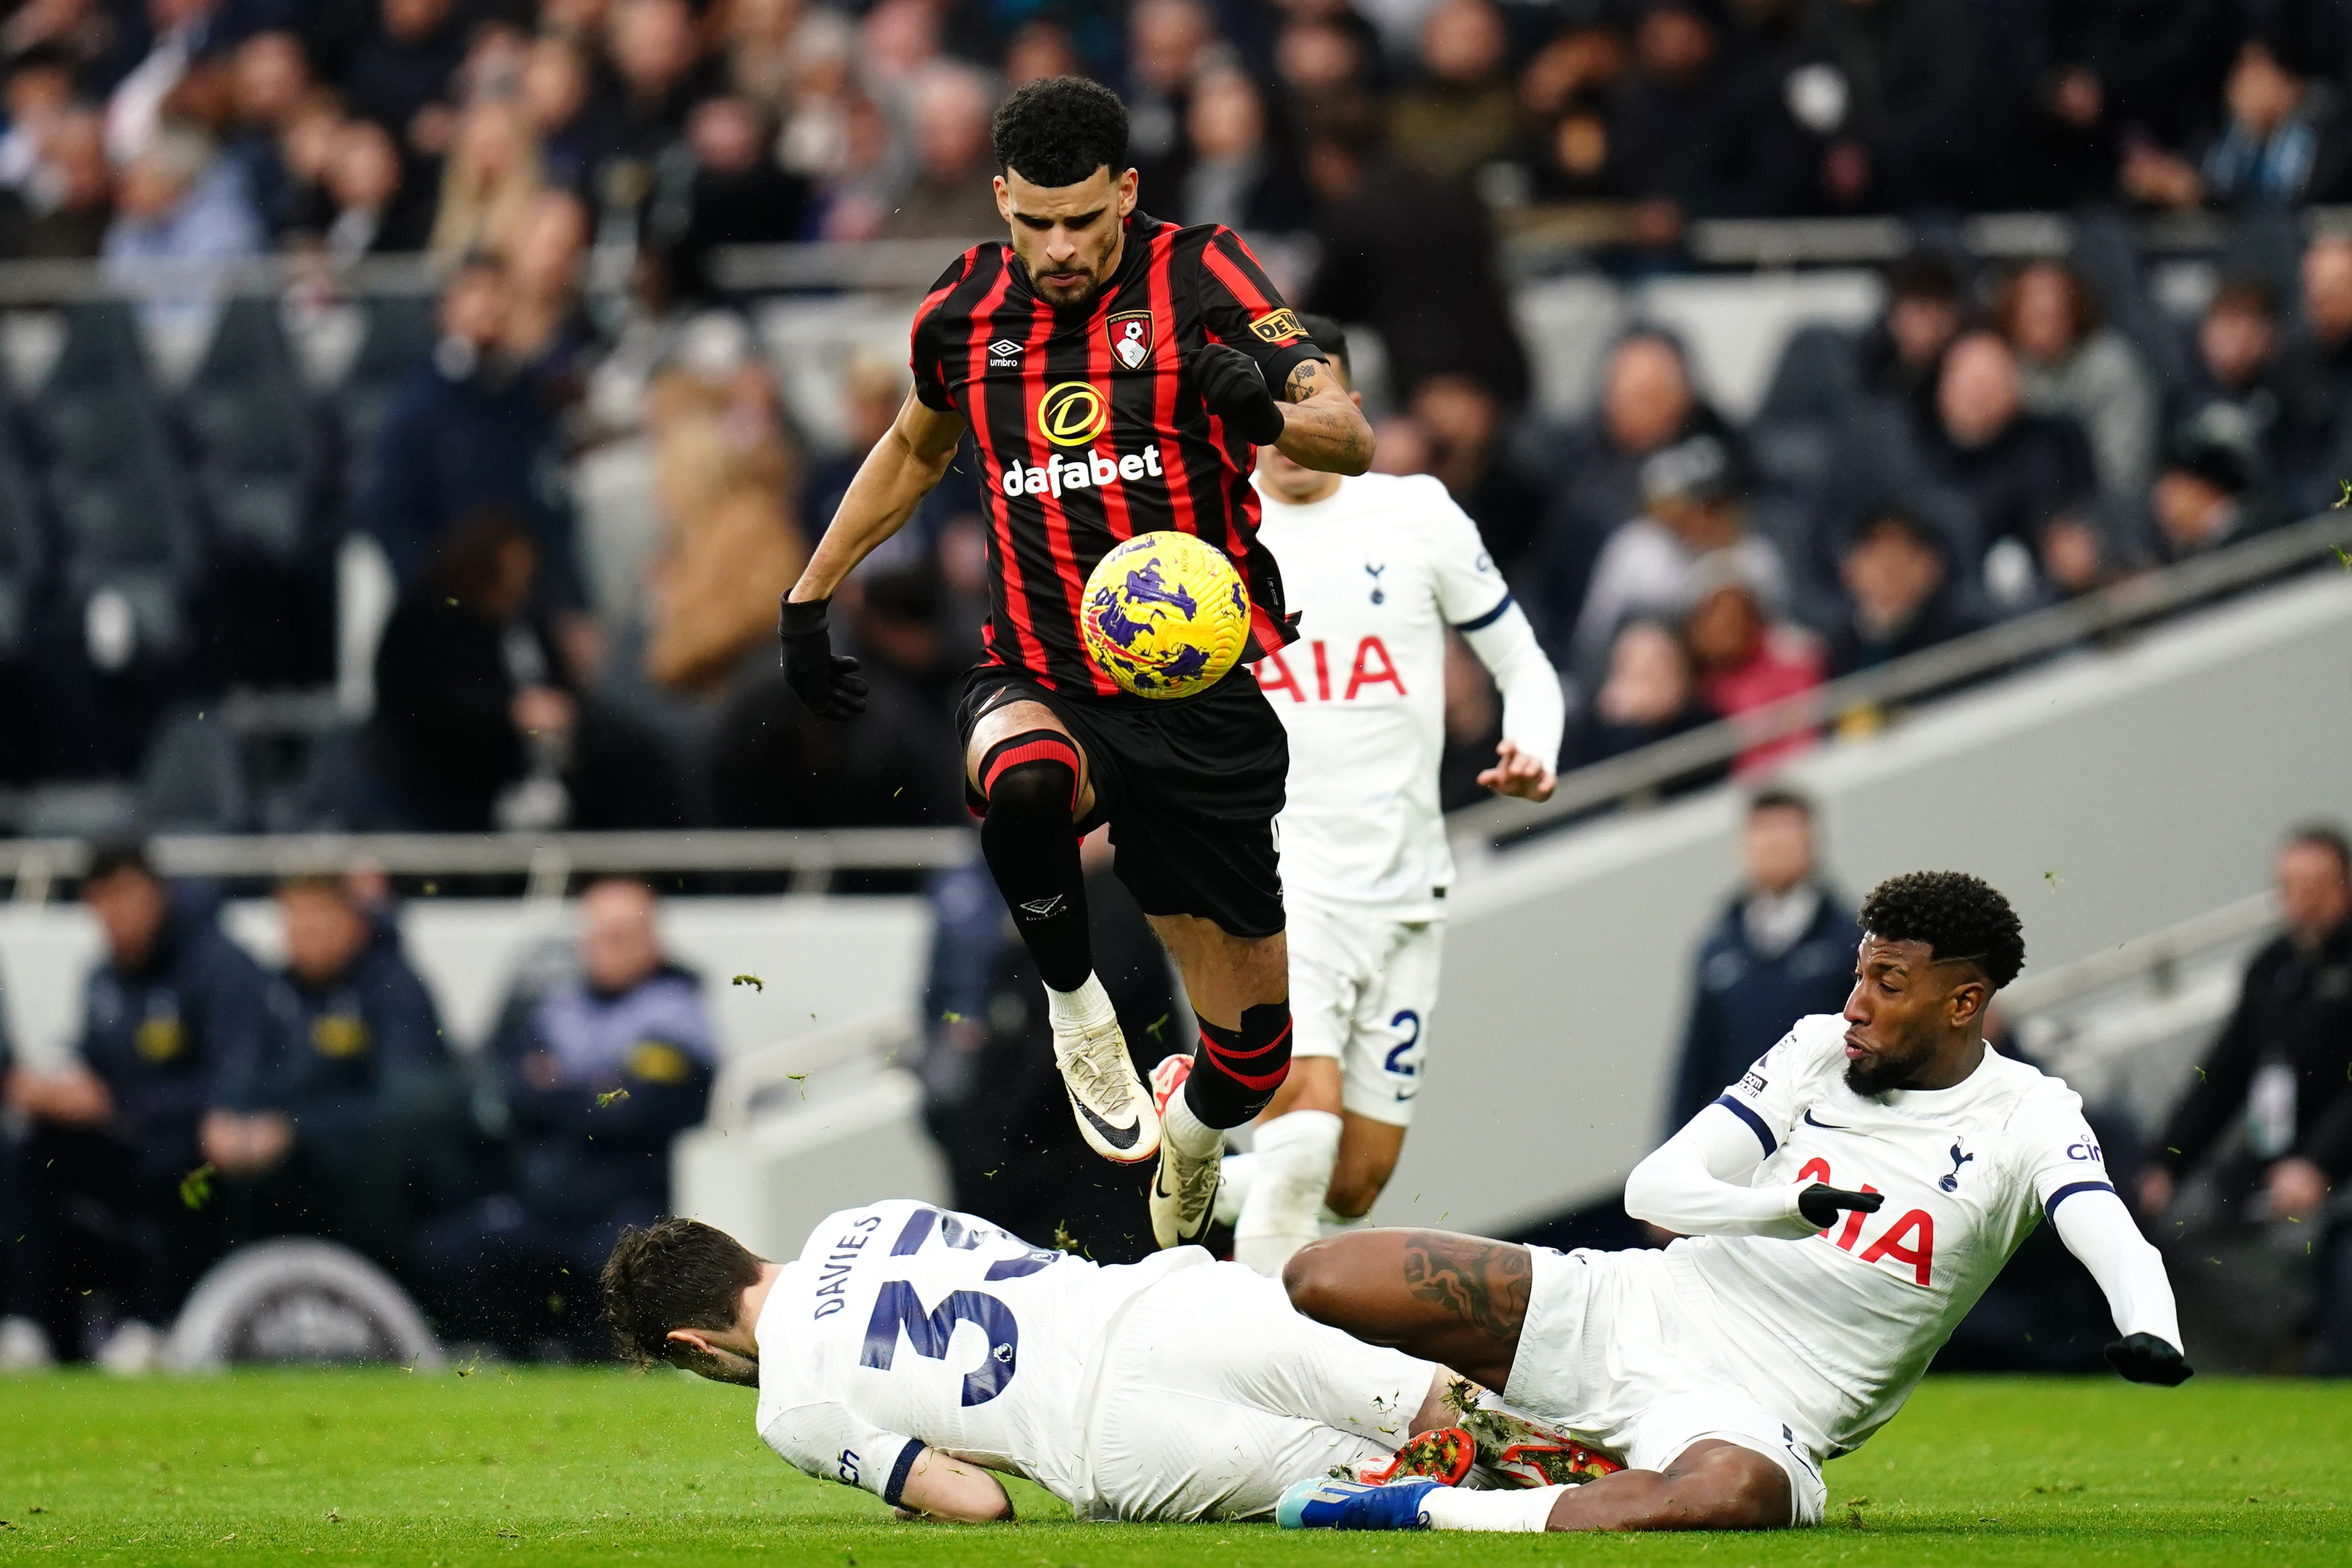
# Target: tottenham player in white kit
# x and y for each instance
(1380, 568)
(910, 1350)
(1842, 1207)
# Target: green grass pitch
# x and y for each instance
(529, 1466)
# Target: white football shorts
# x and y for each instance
(1608, 1353)
(1214, 1396)
(1361, 989)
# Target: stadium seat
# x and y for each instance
(265, 474)
(401, 331)
(118, 634)
(256, 446)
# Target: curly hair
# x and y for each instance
(1059, 131)
(673, 1274)
(1956, 914)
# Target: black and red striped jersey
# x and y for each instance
(1090, 429)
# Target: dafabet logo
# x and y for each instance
(1072, 414)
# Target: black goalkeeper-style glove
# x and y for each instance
(2144, 1358)
(827, 682)
(1235, 390)
(1821, 1203)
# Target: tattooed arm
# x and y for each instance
(1322, 428)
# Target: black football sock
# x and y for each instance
(1031, 782)
(1236, 1072)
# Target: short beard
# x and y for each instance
(1870, 1077)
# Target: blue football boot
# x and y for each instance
(1336, 1504)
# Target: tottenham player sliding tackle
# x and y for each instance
(1379, 567)
(1116, 373)
(1843, 1207)
(910, 1352)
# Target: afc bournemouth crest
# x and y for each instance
(1130, 338)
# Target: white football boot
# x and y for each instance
(1185, 1189)
(1115, 1112)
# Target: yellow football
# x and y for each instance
(1165, 615)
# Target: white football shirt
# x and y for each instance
(1379, 571)
(1838, 1328)
(903, 1325)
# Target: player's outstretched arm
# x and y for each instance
(939, 1487)
(1534, 710)
(1695, 1183)
(904, 466)
(2097, 1229)
(1322, 428)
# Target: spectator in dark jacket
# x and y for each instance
(1414, 257)
(1783, 950)
(599, 1073)
(2207, 497)
(353, 1115)
(2233, 390)
(2027, 477)
(1901, 596)
(401, 66)
(465, 682)
(1903, 352)
(2282, 1069)
(2284, 142)
(1647, 405)
(1650, 695)
(1238, 174)
(1891, 86)
(736, 194)
(467, 429)
(477, 719)
(172, 1029)
(2315, 378)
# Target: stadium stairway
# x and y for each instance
(2114, 795)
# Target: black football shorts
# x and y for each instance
(1190, 788)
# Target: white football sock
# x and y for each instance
(1451, 1508)
(1184, 1131)
(1296, 1152)
(1073, 1012)
(1329, 1221)
(1233, 1188)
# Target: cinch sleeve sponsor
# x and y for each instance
(2054, 1149)
(824, 1439)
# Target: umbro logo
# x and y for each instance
(1004, 354)
(1043, 908)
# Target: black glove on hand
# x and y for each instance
(1235, 392)
(827, 682)
(1821, 1203)
(2144, 1358)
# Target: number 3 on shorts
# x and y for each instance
(1403, 1059)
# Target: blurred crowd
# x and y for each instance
(588, 499)
(210, 128)
(208, 1102)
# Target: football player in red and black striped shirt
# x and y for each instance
(1117, 374)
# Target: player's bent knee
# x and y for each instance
(1734, 1488)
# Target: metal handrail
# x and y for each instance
(2150, 954)
(548, 859)
(1962, 659)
